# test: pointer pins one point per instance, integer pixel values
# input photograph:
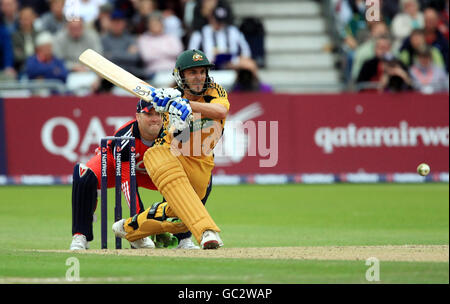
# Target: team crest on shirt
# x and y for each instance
(82, 169)
(197, 57)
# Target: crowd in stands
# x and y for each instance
(43, 39)
(406, 49)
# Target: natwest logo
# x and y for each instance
(401, 135)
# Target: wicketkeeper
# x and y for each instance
(181, 162)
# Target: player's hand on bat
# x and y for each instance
(180, 112)
(161, 98)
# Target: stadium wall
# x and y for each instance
(269, 138)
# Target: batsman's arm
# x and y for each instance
(210, 110)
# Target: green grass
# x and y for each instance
(249, 216)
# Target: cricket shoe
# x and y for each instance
(119, 231)
(79, 242)
(211, 240)
(187, 244)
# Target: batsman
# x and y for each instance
(181, 161)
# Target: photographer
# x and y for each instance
(395, 75)
(384, 72)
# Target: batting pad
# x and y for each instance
(171, 180)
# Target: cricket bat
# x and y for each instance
(115, 74)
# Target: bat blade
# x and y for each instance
(115, 74)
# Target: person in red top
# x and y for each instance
(146, 128)
(87, 177)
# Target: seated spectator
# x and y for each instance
(23, 39)
(43, 65)
(247, 78)
(9, 10)
(158, 50)
(103, 21)
(139, 22)
(7, 71)
(39, 7)
(405, 22)
(353, 29)
(72, 41)
(204, 9)
(224, 44)
(433, 36)
(254, 33)
(426, 76)
(444, 20)
(416, 43)
(54, 20)
(384, 71)
(120, 46)
(172, 24)
(366, 50)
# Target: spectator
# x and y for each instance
(353, 29)
(54, 20)
(384, 71)
(357, 29)
(23, 39)
(172, 24)
(254, 33)
(139, 22)
(204, 9)
(414, 44)
(444, 21)
(43, 65)
(10, 11)
(405, 22)
(433, 36)
(120, 46)
(222, 43)
(247, 78)
(426, 76)
(128, 7)
(103, 21)
(40, 7)
(7, 71)
(366, 50)
(158, 50)
(88, 10)
(72, 41)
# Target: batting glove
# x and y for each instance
(162, 98)
(180, 113)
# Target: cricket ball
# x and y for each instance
(423, 169)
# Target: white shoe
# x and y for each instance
(144, 243)
(119, 231)
(187, 244)
(79, 242)
(211, 240)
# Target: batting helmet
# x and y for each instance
(191, 59)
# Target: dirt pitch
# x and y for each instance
(408, 253)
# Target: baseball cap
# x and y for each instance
(143, 106)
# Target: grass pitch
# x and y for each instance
(36, 219)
